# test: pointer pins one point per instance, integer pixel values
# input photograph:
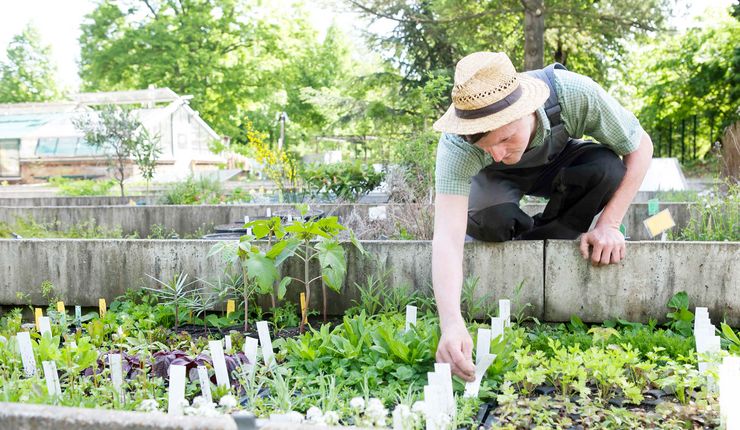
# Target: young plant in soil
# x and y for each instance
(174, 293)
(269, 228)
(315, 240)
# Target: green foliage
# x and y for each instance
(82, 187)
(118, 132)
(715, 217)
(695, 72)
(173, 293)
(28, 75)
(732, 338)
(32, 229)
(348, 181)
(680, 318)
(200, 191)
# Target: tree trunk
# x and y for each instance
(534, 34)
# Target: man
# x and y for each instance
(507, 135)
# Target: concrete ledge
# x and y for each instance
(17, 416)
(76, 201)
(186, 220)
(84, 270)
(639, 287)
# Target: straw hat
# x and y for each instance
(489, 93)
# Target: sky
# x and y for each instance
(59, 24)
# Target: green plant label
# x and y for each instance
(653, 207)
(623, 230)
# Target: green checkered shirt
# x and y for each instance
(586, 110)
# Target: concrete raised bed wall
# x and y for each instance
(639, 287)
(557, 281)
(18, 416)
(186, 220)
(77, 201)
(84, 270)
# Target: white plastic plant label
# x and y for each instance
(219, 363)
(504, 311)
(205, 383)
(250, 350)
(434, 407)
(377, 213)
(227, 343)
(729, 392)
(445, 377)
(78, 315)
(264, 334)
(44, 326)
(246, 219)
(472, 388)
(497, 328)
(268, 212)
(176, 391)
(24, 344)
(483, 344)
(52, 378)
(116, 373)
(410, 316)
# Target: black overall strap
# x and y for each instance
(558, 133)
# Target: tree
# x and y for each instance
(28, 75)
(146, 154)
(119, 133)
(680, 76)
(434, 35)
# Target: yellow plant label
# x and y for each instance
(103, 307)
(659, 223)
(230, 307)
(304, 314)
(38, 313)
(60, 307)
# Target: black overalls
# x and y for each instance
(579, 177)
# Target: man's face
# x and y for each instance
(507, 144)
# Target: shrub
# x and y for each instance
(348, 181)
(82, 187)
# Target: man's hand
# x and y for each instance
(456, 347)
(607, 245)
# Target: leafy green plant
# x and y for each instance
(173, 293)
(315, 240)
(680, 318)
(82, 187)
(348, 181)
(715, 217)
(733, 339)
(472, 306)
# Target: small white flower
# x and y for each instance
(228, 401)
(314, 415)
(357, 403)
(201, 402)
(148, 405)
(331, 418)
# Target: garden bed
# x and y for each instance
(195, 221)
(554, 278)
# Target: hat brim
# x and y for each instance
(534, 94)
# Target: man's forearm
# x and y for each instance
(637, 164)
(447, 281)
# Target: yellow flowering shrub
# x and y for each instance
(279, 167)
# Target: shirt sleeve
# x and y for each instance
(589, 110)
(457, 162)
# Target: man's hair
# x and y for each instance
(473, 138)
